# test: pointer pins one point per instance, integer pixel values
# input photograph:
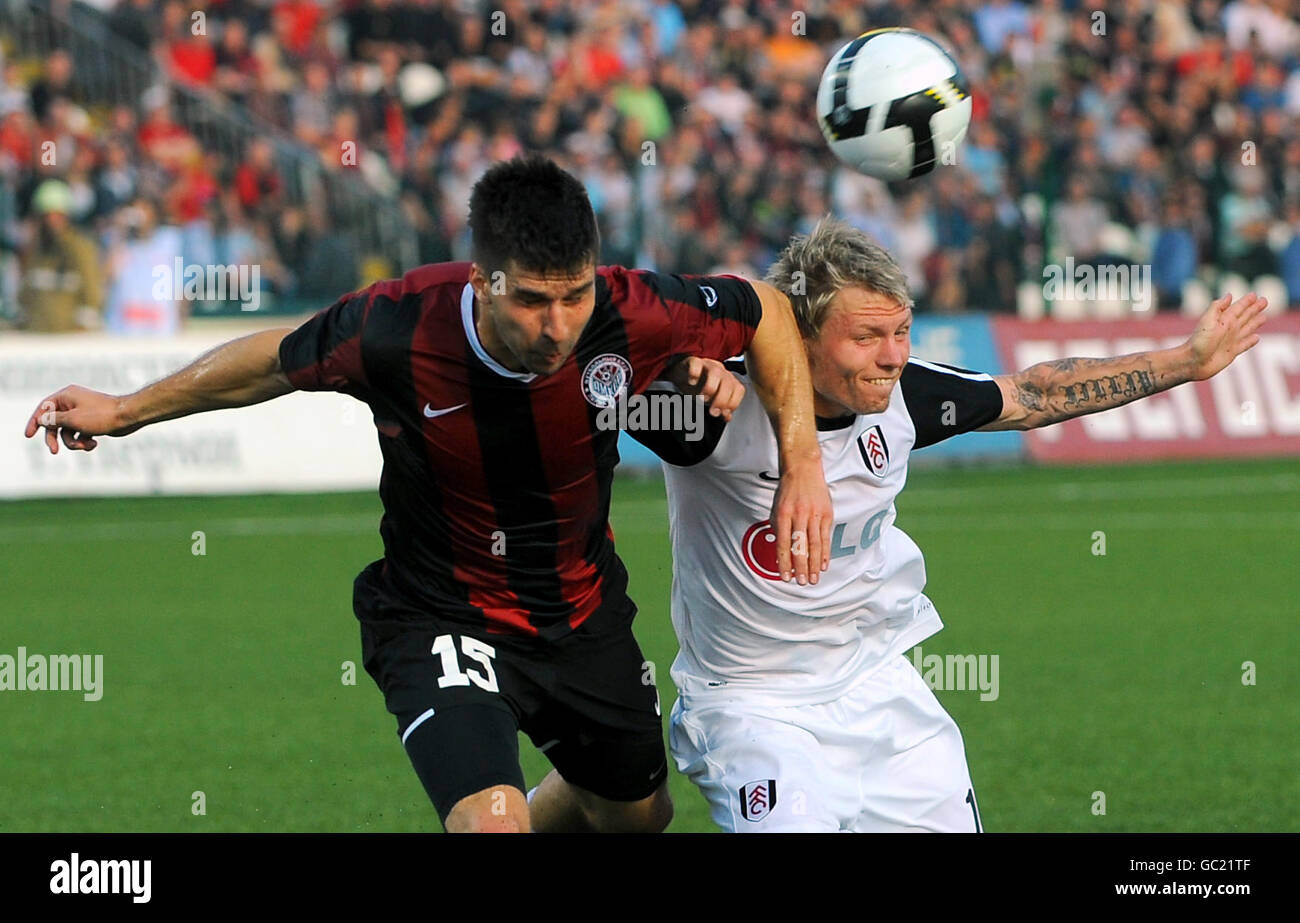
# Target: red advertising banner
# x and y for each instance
(1250, 408)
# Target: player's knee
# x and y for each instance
(649, 815)
(501, 809)
(486, 823)
(660, 811)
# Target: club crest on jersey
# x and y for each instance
(874, 450)
(757, 799)
(605, 378)
(758, 547)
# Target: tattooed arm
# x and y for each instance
(1050, 392)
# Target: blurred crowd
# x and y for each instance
(1147, 131)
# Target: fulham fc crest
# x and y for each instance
(757, 799)
(875, 451)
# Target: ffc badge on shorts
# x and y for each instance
(757, 799)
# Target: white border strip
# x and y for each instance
(973, 376)
(416, 723)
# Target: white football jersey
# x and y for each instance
(744, 631)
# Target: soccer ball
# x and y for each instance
(893, 104)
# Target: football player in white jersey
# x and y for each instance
(798, 709)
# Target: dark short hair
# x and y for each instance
(529, 212)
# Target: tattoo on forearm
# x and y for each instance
(1122, 389)
(1031, 396)
(1054, 391)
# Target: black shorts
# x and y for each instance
(461, 696)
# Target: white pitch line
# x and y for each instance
(1097, 519)
(1238, 485)
(183, 529)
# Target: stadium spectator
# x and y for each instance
(593, 59)
(294, 23)
(134, 21)
(164, 140)
(997, 20)
(638, 100)
(991, 265)
(1266, 91)
(236, 69)
(118, 179)
(55, 82)
(727, 101)
(311, 104)
(1077, 223)
(1174, 255)
(952, 221)
(1289, 258)
(17, 142)
(137, 304)
(371, 25)
(62, 289)
(14, 95)
(1245, 21)
(257, 182)
(292, 242)
(983, 158)
(192, 59)
(1245, 215)
(81, 187)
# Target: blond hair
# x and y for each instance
(834, 256)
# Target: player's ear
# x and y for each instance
(478, 280)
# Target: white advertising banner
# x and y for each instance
(298, 442)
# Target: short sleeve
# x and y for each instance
(711, 316)
(945, 401)
(324, 354)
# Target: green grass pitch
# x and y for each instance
(1119, 673)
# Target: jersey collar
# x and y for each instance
(828, 424)
(471, 334)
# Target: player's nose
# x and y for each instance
(892, 355)
(555, 325)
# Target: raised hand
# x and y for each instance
(1224, 332)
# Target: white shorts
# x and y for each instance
(885, 757)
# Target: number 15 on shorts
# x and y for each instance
(452, 675)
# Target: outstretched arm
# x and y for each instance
(1050, 392)
(778, 370)
(235, 374)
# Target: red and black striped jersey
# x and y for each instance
(496, 484)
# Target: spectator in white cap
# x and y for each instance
(61, 288)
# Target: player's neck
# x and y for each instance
(826, 409)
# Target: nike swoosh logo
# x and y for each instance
(431, 413)
(763, 475)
